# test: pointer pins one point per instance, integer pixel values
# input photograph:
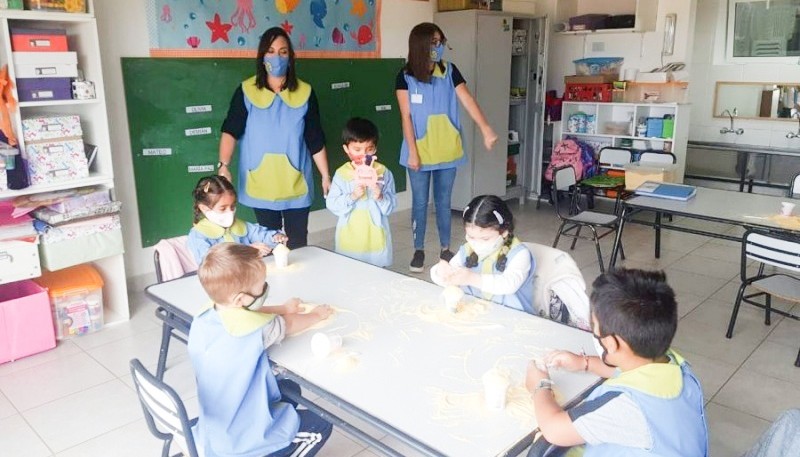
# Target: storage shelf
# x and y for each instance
(92, 180)
(48, 16)
(58, 103)
(601, 31)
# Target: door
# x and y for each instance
(536, 91)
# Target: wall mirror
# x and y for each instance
(758, 100)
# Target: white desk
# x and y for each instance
(403, 355)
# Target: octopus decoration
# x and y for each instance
(243, 16)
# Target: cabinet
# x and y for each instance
(81, 29)
(502, 57)
(615, 124)
(644, 11)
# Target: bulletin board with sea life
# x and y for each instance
(232, 28)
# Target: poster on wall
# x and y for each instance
(232, 28)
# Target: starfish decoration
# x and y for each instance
(219, 31)
(359, 8)
(288, 27)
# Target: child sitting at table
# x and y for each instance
(242, 411)
(650, 403)
(493, 264)
(215, 220)
(362, 196)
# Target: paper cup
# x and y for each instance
(787, 208)
(323, 344)
(281, 254)
(495, 387)
(452, 295)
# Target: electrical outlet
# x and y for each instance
(598, 46)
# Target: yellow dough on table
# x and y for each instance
(306, 308)
(787, 222)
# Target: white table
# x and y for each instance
(403, 355)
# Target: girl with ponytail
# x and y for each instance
(493, 264)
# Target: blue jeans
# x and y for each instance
(442, 192)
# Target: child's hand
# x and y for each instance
(534, 375)
(376, 192)
(263, 249)
(358, 192)
(280, 238)
(460, 276)
(322, 311)
(292, 306)
(565, 360)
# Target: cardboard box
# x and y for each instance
(19, 259)
(51, 128)
(636, 173)
(591, 79)
(46, 64)
(26, 323)
(56, 161)
(38, 40)
(44, 89)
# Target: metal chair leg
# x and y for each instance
(597, 248)
(558, 235)
(767, 308)
(575, 240)
(736, 305)
(797, 362)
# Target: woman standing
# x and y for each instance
(275, 118)
(427, 90)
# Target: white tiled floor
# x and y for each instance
(78, 400)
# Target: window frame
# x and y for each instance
(729, 34)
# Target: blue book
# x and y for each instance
(666, 190)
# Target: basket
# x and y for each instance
(598, 66)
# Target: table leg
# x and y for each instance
(617, 239)
(657, 226)
(166, 333)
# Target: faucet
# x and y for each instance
(731, 129)
(791, 135)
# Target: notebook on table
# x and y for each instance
(670, 191)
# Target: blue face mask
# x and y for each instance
(437, 52)
(276, 65)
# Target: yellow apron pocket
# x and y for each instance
(361, 235)
(441, 143)
(275, 179)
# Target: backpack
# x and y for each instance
(588, 160)
(565, 152)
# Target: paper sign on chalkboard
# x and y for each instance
(198, 131)
(198, 109)
(200, 168)
(157, 151)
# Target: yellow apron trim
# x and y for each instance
(437, 72)
(360, 235)
(239, 321)
(487, 265)
(214, 231)
(662, 380)
(275, 179)
(441, 143)
(263, 98)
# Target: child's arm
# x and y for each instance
(296, 323)
(575, 362)
(340, 201)
(198, 245)
(290, 306)
(441, 272)
(555, 424)
(384, 194)
(510, 280)
(258, 236)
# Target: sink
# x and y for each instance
(751, 148)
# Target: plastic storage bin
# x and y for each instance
(26, 325)
(51, 5)
(636, 173)
(598, 66)
(76, 297)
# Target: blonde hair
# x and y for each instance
(230, 268)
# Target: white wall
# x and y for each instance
(123, 33)
(708, 64)
(640, 50)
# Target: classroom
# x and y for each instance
(488, 228)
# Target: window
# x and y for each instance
(763, 31)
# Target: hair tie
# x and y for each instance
(464, 213)
(498, 216)
(207, 186)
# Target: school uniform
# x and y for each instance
(205, 234)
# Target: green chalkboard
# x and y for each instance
(168, 160)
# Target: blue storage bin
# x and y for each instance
(655, 127)
(598, 66)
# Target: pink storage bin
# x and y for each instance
(26, 321)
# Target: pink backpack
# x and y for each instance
(565, 152)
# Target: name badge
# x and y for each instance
(416, 99)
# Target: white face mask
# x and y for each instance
(485, 248)
(221, 218)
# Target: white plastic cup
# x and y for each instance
(281, 254)
(630, 74)
(495, 388)
(787, 208)
(452, 295)
(323, 344)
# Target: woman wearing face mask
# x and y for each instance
(428, 88)
(493, 264)
(274, 116)
(215, 221)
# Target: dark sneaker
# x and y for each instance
(446, 255)
(418, 262)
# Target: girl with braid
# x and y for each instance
(493, 264)
(215, 221)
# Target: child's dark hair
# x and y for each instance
(359, 130)
(639, 307)
(489, 211)
(208, 192)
